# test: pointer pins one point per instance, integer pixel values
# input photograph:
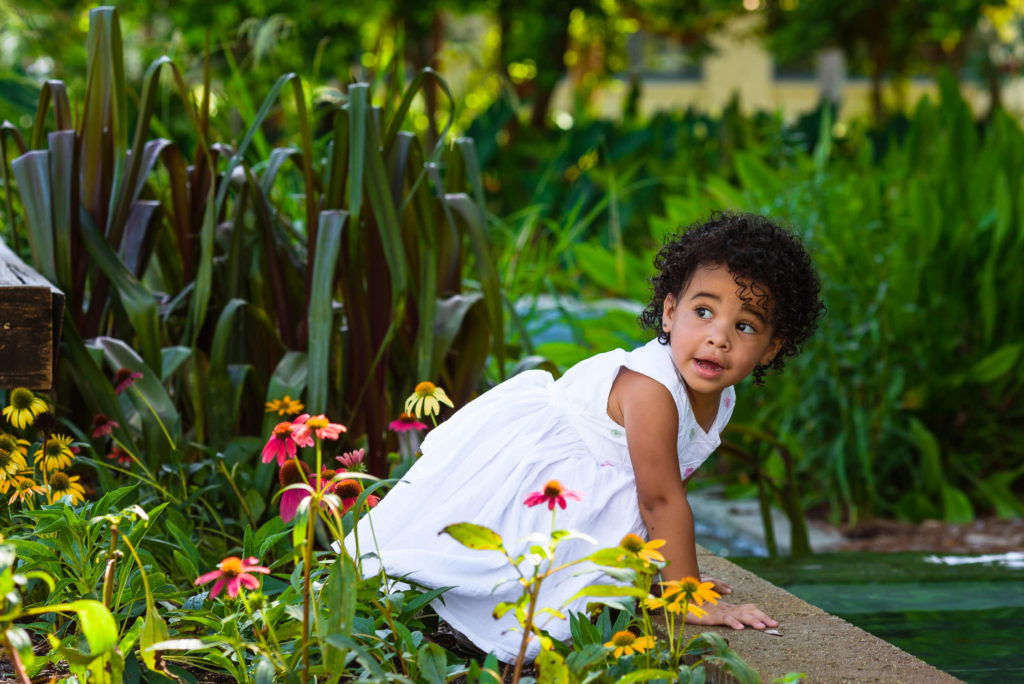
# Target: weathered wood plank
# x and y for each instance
(31, 311)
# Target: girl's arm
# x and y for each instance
(646, 409)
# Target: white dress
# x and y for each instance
(482, 463)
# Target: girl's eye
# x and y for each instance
(703, 312)
(746, 328)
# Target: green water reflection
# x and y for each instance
(966, 620)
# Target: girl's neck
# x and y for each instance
(704, 407)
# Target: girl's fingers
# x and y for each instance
(719, 586)
(736, 616)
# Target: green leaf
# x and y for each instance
(95, 623)
(365, 659)
(154, 631)
(265, 673)
(956, 507)
(321, 309)
(224, 412)
(432, 661)
(138, 302)
(996, 365)
(475, 536)
(22, 643)
(646, 675)
(551, 669)
(32, 172)
(131, 636)
(607, 590)
(932, 476)
(341, 596)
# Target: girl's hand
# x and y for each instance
(731, 615)
(719, 586)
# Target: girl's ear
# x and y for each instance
(773, 348)
(668, 310)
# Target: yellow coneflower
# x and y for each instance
(55, 453)
(24, 407)
(11, 462)
(24, 488)
(627, 643)
(285, 406)
(12, 443)
(426, 399)
(634, 545)
(62, 484)
(692, 590)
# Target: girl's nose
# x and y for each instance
(718, 336)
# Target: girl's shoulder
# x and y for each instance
(654, 360)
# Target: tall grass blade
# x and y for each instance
(32, 171)
(321, 309)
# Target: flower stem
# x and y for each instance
(527, 630)
(16, 664)
(108, 572)
(234, 487)
(307, 561)
(155, 415)
(150, 479)
(259, 635)
(42, 465)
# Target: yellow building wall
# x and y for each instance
(740, 65)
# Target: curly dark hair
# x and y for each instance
(761, 256)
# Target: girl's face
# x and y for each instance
(717, 338)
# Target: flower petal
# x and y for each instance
(203, 579)
(217, 587)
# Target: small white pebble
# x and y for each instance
(773, 632)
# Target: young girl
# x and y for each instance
(733, 296)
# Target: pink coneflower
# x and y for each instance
(321, 427)
(406, 422)
(552, 493)
(301, 434)
(102, 426)
(293, 472)
(352, 460)
(120, 456)
(234, 573)
(124, 379)
(281, 444)
(348, 491)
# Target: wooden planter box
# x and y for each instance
(31, 310)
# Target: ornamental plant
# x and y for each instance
(34, 429)
(604, 651)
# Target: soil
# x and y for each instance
(984, 535)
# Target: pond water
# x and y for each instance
(961, 614)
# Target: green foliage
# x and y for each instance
(202, 263)
(902, 403)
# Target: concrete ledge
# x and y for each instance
(824, 647)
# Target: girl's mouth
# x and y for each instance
(708, 368)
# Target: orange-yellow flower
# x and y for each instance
(692, 590)
(285, 406)
(12, 444)
(55, 452)
(11, 461)
(24, 487)
(634, 545)
(62, 484)
(652, 603)
(24, 407)
(627, 643)
(427, 399)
